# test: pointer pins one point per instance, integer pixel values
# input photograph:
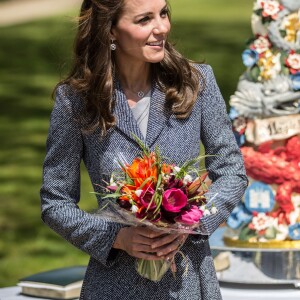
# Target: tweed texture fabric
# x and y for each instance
(111, 274)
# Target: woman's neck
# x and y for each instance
(135, 81)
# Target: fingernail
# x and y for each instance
(153, 246)
(159, 253)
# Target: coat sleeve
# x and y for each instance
(225, 166)
(60, 191)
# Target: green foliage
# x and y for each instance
(270, 233)
(33, 57)
(30, 57)
(246, 233)
(253, 73)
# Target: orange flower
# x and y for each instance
(166, 169)
(141, 169)
(128, 193)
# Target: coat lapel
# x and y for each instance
(125, 120)
(158, 116)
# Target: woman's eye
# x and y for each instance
(164, 13)
(144, 20)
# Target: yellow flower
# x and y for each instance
(292, 26)
(269, 65)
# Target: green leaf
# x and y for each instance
(253, 73)
(189, 166)
(145, 181)
(113, 195)
(285, 71)
(270, 233)
(247, 233)
(282, 33)
(141, 144)
(258, 11)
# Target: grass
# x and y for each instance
(33, 57)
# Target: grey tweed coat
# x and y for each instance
(111, 274)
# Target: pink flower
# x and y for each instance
(261, 44)
(146, 199)
(293, 61)
(191, 216)
(271, 8)
(174, 200)
(112, 188)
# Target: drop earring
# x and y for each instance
(113, 46)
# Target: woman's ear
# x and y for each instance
(113, 33)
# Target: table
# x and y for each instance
(259, 292)
(229, 292)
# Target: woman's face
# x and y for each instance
(141, 31)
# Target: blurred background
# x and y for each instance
(36, 38)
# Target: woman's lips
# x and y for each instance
(156, 44)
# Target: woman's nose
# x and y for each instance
(162, 26)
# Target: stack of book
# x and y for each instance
(64, 283)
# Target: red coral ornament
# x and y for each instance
(279, 166)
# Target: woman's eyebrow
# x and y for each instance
(149, 12)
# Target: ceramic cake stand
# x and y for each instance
(256, 266)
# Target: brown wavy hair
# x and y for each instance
(92, 74)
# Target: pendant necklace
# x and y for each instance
(141, 94)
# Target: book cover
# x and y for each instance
(64, 283)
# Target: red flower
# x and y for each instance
(146, 199)
(191, 216)
(174, 200)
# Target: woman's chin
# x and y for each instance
(155, 59)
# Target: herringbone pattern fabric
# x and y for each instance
(111, 274)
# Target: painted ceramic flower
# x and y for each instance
(270, 8)
(261, 222)
(261, 44)
(270, 65)
(250, 57)
(291, 27)
(293, 62)
(294, 231)
(282, 230)
(295, 82)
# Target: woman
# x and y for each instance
(128, 79)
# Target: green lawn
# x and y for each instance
(33, 57)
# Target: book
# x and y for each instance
(64, 283)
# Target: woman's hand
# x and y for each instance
(142, 242)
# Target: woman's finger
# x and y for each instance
(165, 240)
(148, 233)
(167, 249)
(177, 239)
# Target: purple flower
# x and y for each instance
(174, 183)
(191, 216)
(174, 200)
(146, 199)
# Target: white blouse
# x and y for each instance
(141, 112)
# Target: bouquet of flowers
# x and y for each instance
(151, 192)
